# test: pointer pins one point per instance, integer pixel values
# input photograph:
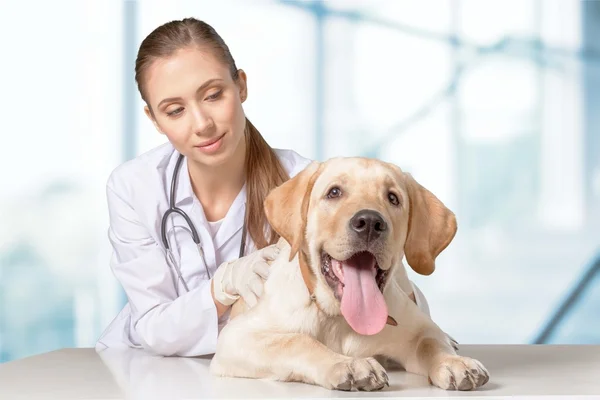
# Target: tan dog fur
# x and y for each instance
(293, 336)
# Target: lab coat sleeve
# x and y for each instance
(165, 324)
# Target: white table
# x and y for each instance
(516, 371)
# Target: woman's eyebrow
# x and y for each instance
(202, 87)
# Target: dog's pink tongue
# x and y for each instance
(363, 305)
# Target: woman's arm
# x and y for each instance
(165, 323)
(221, 309)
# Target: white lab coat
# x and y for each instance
(160, 316)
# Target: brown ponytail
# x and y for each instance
(264, 172)
(263, 169)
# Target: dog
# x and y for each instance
(335, 305)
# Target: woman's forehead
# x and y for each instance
(180, 74)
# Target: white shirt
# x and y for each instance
(213, 227)
(160, 316)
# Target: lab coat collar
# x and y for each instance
(184, 194)
(233, 221)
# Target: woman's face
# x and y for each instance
(196, 103)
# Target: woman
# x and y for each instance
(179, 296)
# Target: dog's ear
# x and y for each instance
(286, 206)
(431, 227)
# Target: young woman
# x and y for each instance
(187, 225)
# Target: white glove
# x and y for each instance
(242, 277)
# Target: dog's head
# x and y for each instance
(354, 219)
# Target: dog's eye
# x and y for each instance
(393, 199)
(334, 192)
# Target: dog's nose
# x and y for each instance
(368, 224)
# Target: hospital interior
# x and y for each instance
(492, 105)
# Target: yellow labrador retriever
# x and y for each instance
(335, 304)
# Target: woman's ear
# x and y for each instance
(151, 117)
(242, 85)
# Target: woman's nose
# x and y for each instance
(202, 121)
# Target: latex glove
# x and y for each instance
(243, 277)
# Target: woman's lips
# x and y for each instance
(211, 146)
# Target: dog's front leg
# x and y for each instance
(434, 356)
(419, 345)
(300, 358)
(423, 348)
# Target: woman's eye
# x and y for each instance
(393, 199)
(175, 112)
(214, 96)
(334, 192)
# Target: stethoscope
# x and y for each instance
(195, 236)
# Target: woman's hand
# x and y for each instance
(243, 277)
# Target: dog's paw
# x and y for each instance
(452, 342)
(357, 374)
(458, 373)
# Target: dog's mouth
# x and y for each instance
(334, 273)
(358, 284)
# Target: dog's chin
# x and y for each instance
(332, 270)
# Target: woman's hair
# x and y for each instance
(264, 172)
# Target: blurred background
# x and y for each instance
(490, 104)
